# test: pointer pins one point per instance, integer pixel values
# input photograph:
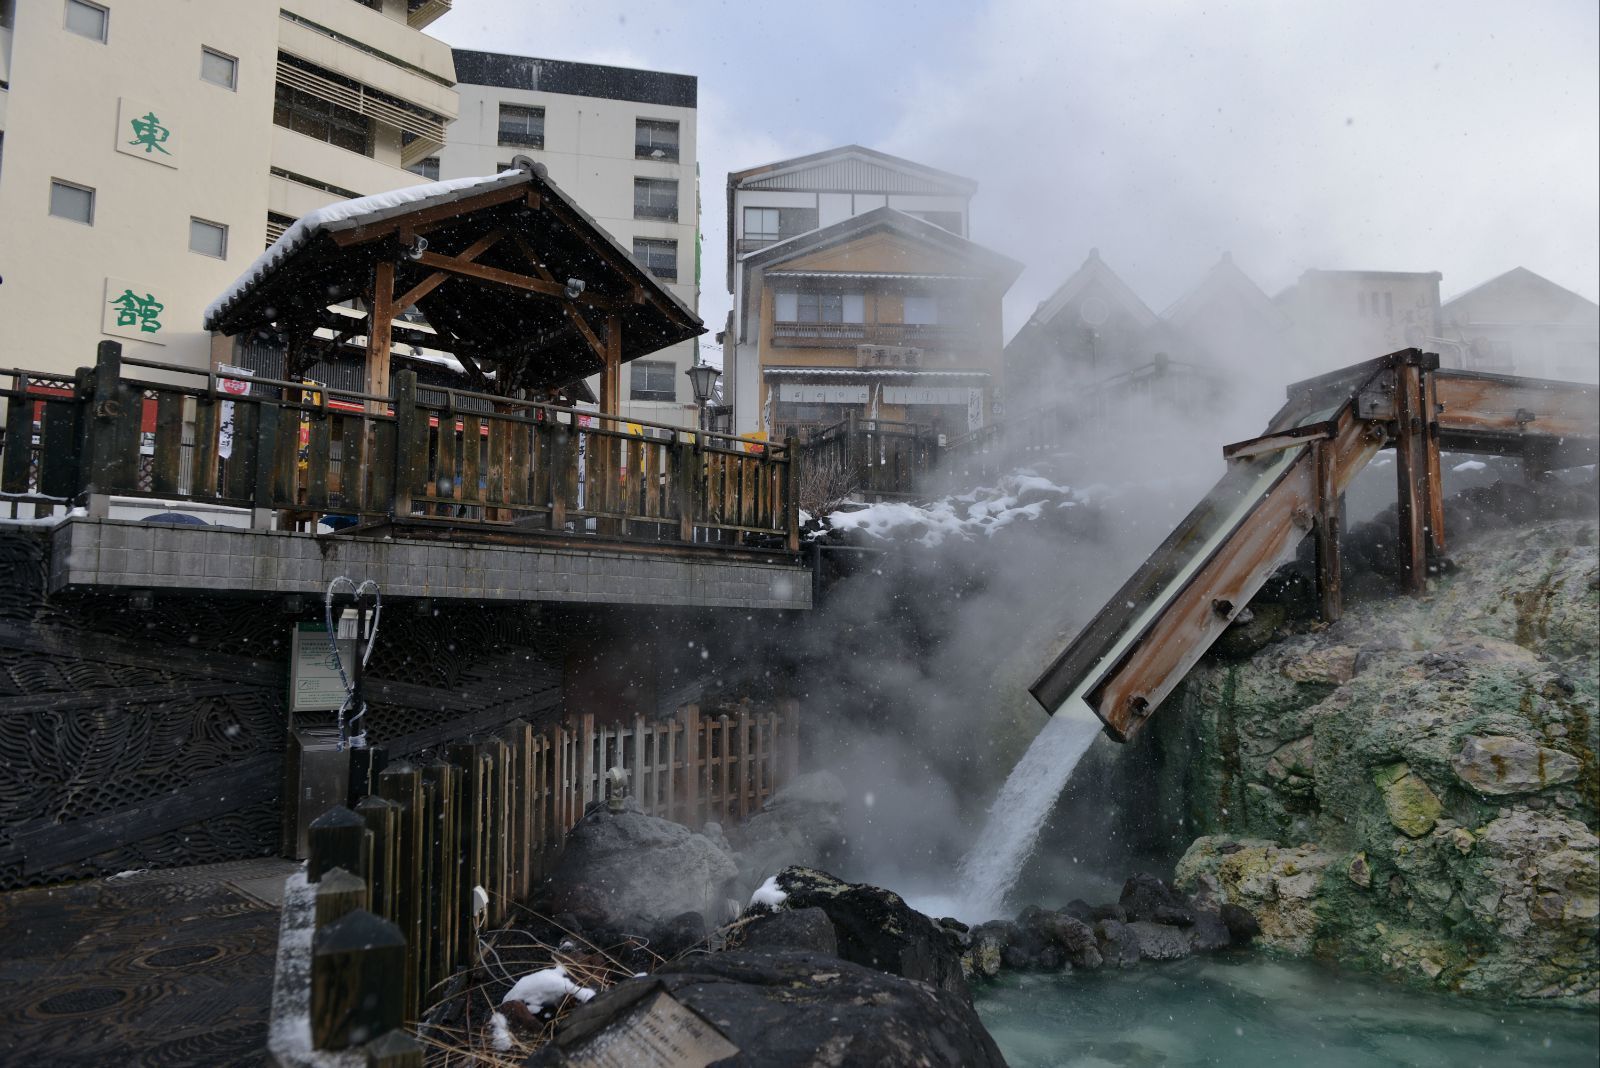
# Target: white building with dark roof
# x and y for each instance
(622, 142)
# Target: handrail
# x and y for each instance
(409, 461)
(450, 393)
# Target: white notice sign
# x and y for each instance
(238, 386)
(314, 684)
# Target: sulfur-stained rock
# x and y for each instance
(1412, 807)
(1434, 815)
(1503, 765)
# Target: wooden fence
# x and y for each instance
(493, 811)
(883, 458)
(438, 457)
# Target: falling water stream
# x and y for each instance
(990, 869)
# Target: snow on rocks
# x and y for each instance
(545, 989)
(769, 895)
(1023, 494)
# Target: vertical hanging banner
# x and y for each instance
(238, 387)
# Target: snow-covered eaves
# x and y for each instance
(348, 214)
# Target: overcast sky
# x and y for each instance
(1460, 137)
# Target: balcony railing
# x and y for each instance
(844, 335)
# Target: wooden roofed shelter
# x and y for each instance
(516, 282)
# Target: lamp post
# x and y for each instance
(703, 379)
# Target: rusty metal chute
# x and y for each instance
(1286, 484)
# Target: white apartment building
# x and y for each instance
(779, 201)
(623, 142)
(151, 148)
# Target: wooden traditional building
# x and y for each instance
(505, 276)
(882, 315)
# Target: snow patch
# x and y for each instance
(1470, 465)
(982, 511)
(546, 989)
(499, 1033)
(46, 521)
(769, 895)
(312, 221)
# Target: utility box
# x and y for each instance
(317, 779)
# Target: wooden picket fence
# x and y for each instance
(492, 812)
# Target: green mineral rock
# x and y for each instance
(1414, 789)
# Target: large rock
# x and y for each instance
(782, 1009)
(807, 929)
(1415, 789)
(877, 929)
(1159, 941)
(798, 826)
(1499, 765)
(629, 871)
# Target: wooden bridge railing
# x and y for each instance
(493, 811)
(882, 457)
(448, 457)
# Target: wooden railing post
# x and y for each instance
(401, 784)
(791, 494)
(383, 821)
(339, 893)
(106, 425)
(337, 839)
(357, 980)
(411, 425)
(691, 765)
(18, 458)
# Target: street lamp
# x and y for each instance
(703, 379)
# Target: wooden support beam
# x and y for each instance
(1330, 579)
(1412, 477)
(478, 271)
(611, 373)
(379, 331)
(438, 278)
(579, 323)
(1435, 477)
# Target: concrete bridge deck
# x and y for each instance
(97, 553)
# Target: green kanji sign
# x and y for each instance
(143, 312)
(148, 132)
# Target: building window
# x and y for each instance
(655, 139)
(75, 202)
(659, 256)
(208, 238)
(820, 308)
(317, 118)
(920, 310)
(653, 380)
(655, 198)
(87, 20)
(218, 68)
(521, 126)
(427, 168)
(776, 224)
